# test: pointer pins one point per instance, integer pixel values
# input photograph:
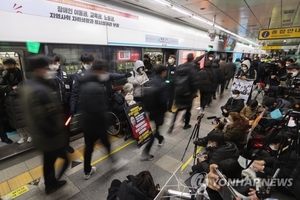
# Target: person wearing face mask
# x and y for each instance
(45, 121)
(269, 165)
(138, 78)
(272, 104)
(10, 79)
(246, 72)
(171, 68)
(60, 82)
(86, 60)
(234, 104)
(94, 104)
(289, 62)
(217, 150)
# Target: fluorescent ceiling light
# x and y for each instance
(181, 11)
(162, 2)
(202, 20)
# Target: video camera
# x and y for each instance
(270, 68)
(293, 85)
(216, 119)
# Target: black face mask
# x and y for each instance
(10, 70)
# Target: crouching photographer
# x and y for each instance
(216, 151)
(235, 130)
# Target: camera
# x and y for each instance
(217, 120)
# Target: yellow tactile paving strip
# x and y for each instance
(37, 172)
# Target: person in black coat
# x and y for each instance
(184, 102)
(231, 67)
(139, 187)
(274, 81)
(11, 77)
(208, 83)
(233, 104)
(148, 65)
(216, 151)
(45, 121)
(171, 68)
(219, 75)
(157, 114)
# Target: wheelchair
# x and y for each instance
(114, 126)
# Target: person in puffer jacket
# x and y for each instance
(246, 72)
(139, 187)
(216, 151)
(233, 104)
(137, 79)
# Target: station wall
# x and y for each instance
(41, 28)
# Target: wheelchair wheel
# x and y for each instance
(114, 124)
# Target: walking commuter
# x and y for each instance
(231, 67)
(219, 75)
(208, 82)
(60, 83)
(157, 112)
(14, 107)
(187, 83)
(138, 78)
(225, 75)
(10, 78)
(45, 121)
(94, 112)
(171, 68)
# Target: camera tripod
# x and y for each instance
(194, 135)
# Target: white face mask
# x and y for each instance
(210, 58)
(50, 74)
(104, 77)
(140, 70)
(234, 96)
(209, 145)
(54, 67)
(287, 65)
(244, 69)
(170, 61)
(157, 62)
(87, 67)
(294, 74)
(272, 147)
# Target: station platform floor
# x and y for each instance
(21, 176)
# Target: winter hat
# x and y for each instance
(127, 87)
(138, 64)
(269, 101)
(247, 63)
(129, 97)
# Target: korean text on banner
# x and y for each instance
(243, 86)
(279, 33)
(139, 123)
(73, 10)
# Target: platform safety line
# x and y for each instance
(185, 164)
(113, 152)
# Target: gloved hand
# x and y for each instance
(128, 74)
(72, 113)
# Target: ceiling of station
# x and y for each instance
(242, 17)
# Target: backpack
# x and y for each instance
(182, 85)
(151, 96)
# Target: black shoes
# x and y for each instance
(70, 149)
(7, 141)
(187, 127)
(55, 187)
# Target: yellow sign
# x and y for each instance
(270, 47)
(18, 192)
(279, 33)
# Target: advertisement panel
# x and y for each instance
(73, 10)
(183, 56)
(139, 123)
(127, 55)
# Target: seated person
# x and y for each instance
(234, 104)
(217, 150)
(129, 99)
(235, 130)
(251, 110)
(213, 188)
(119, 101)
(139, 187)
(272, 104)
(268, 166)
(246, 72)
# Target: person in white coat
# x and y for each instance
(138, 78)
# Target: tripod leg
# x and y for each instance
(191, 137)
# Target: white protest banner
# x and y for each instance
(73, 10)
(243, 86)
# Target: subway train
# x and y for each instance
(117, 34)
